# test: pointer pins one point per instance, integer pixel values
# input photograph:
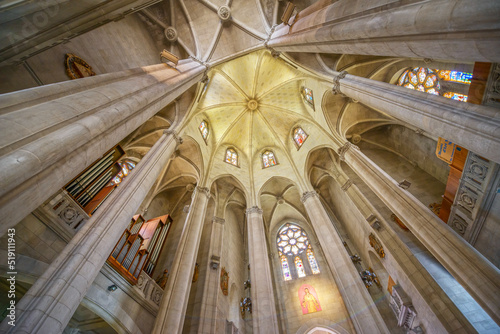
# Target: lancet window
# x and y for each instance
(299, 137)
(268, 159)
(204, 130)
(312, 260)
(455, 76)
(285, 268)
(307, 94)
(299, 267)
(293, 245)
(231, 157)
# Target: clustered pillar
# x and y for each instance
(50, 303)
(422, 29)
(476, 274)
(474, 127)
(208, 312)
(264, 318)
(170, 318)
(367, 319)
(49, 134)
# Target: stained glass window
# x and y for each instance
(292, 240)
(268, 159)
(231, 157)
(126, 167)
(204, 129)
(299, 136)
(307, 94)
(421, 79)
(455, 76)
(456, 96)
(312, 260)
(300, 268)
(285, 269)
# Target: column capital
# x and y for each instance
(219, 220)
(344, 148)
(254, 209)
(174, 133)
(308, 194)
(336, 82)
(202, 190)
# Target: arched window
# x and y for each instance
(427, 80)
(299, 137)
(284, 268)
(293, 245)
(126, 167)
(204, 130)
(312, 260)
(307, 94)
(268, 159)
(231, 157)
(300, 268)
(421, 79)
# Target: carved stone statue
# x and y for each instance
(162, 280)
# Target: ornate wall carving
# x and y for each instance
(467, 213)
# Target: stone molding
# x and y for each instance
(344, 148)
(308, 194)
(254, 209)
(216, 219)
(174, 133)
(347, 185)
(202, 190)
(186, 208)
(336, 82)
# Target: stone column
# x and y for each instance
(472, 270)
(462, 30)
(170, 318)
(211, 286)
(50, 303)
(474, 127)
(264, 319)
(37, 25)
(49, 134)
(364, 314)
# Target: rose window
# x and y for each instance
(292, 240)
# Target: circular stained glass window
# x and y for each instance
(421, 79)
(292, 240)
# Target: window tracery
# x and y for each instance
(293, 245)
(204, 130)
(427, 80)
(299, 137)
(231, 157)
(421, 79)
(269, 159)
